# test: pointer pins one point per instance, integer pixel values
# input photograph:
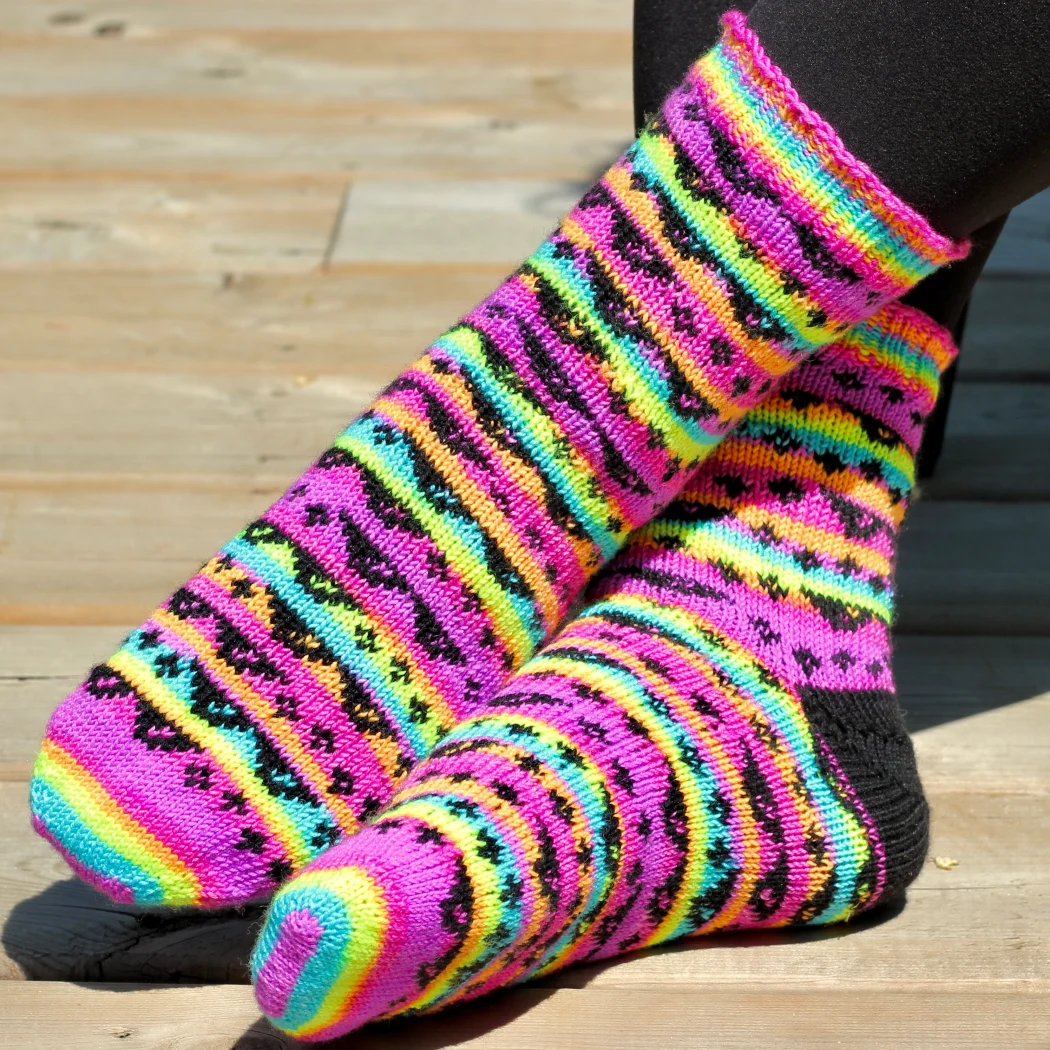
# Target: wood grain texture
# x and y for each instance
(162, 225)
(564, 70)
(223, 226)
(233, 323)
(975, 568)
(274, 139)
(463, 221)
(986, 919)
(1008, 330)
(85, 17)
(1024, 247)
(997, 446)
(265, 427)
(783, 1017)
(353, 320)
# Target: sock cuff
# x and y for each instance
(901, 349)
(886, 241)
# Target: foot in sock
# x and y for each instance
(713, 744)
(274, 702)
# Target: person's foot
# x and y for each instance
(714, 744)
(273, 703)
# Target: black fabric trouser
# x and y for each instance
(947, 100)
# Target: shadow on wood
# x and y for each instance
(69, 932)
(454, 1027)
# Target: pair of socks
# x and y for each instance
(277, 702)
(714, 743)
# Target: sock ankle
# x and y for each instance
(714, 744)
(274, 702)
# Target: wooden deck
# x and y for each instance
(223, 224)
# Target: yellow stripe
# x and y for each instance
(745, 453)
(468, 565)
(837, 221)
(327, 675)
(525, 477)
(114, 826)
(363, 898)
(140, 676)
(757, 273)
(482, 509)
(278, 728)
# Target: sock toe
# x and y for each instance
(354, 936)
(160, 825)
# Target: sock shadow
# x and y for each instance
(70, 932)
(581, 976)
(946, 679)
(457, 1026)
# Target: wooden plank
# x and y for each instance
(233, 324)
(338, 322)
(1024, 247)
(1008, 330)
(163, 537)
(984, 759)
(92, 556)
(777, 1017)
(146, 428)
(464, 221)
(979, 706)
(997, 444)
(562, 70)
(274, 138)
(38, 667)
(943, 679)
(191, 226)
(88, 17)
(975, 568)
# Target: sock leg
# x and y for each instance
(714, 744)
(277, 699)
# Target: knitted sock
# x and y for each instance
(714, 744)
(275, 701)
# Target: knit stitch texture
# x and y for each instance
(274, 702)
(713, 744)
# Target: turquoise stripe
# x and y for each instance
(455, 344)
(77, 839)
(302, 815)
(697, 788)
(562, 272)
(818, 579)
(356, 660)
(481, 820)
(815, 442)
(362, 437)
(571, 778)
(328, 960)
(627, 358)
(647, 164)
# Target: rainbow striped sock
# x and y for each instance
(713, 744)
(274, 702)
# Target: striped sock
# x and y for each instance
(274, 702)
(714, 744)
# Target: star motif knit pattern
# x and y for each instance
(713, 744)
(278, 698)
